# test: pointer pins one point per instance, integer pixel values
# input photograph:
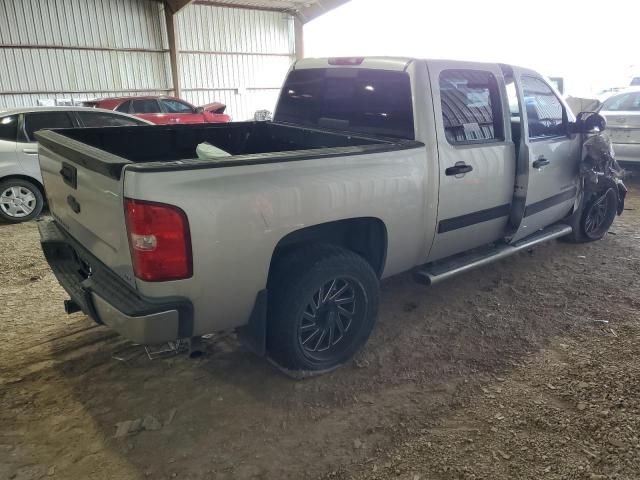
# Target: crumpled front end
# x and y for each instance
(600, 170)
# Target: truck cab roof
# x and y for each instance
(376, 62)
(380, 63)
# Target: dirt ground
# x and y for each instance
(528, 368)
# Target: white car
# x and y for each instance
(21, 190)
(622, 111)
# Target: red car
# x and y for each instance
(164, 110)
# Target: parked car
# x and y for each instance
(370, 167)
(164, 110)
(622, 112)
(21, 190)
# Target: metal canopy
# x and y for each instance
(305, 10)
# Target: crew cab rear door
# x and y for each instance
(549, 154)
(475, 154)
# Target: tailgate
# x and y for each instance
(623, 127)
(84, 188)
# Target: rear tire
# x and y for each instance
(595, 217)
(323, 306)
(20, 200)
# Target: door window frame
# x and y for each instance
(134, 121)
(496, 112)
(164, 110)
(565, 116)
(133, 110)
(22, 124)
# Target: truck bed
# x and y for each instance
(108, 150)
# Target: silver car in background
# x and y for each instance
(622, 111)
(21, 190)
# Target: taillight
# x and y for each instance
(159, 241)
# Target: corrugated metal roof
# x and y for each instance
(267, 4)
(305, 9)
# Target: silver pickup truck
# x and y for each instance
(370, 167)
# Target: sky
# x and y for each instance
(589, 43)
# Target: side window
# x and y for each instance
(174, 106)
(9, 128)
(146, 106)
(43, 120)
(124, 107)
(545, 113)
(628, 102)
(100, 119)
(470, 107)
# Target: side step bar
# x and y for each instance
(447, 268)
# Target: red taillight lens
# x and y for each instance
(159, 241)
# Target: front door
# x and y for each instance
(476, 155)
(549, 154)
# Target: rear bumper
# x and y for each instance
(106, 298)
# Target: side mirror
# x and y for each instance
(199, 110)
(590, 122)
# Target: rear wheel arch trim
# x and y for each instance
(373, 247)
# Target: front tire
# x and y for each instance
(595, 217)
(323, 306)
(20, 200)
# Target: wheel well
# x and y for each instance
(28, 179)
(366, 236)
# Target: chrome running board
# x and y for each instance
(443, 269)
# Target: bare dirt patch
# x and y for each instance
(508, 372)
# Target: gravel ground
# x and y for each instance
(527, 368)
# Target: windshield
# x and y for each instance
(629, 102)
(357, 100)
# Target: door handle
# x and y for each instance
(459, 169)
(540, 162)
(30, 151)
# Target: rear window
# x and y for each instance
(45, 120)
(124, 107)
(358, 100)
(9, 128)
